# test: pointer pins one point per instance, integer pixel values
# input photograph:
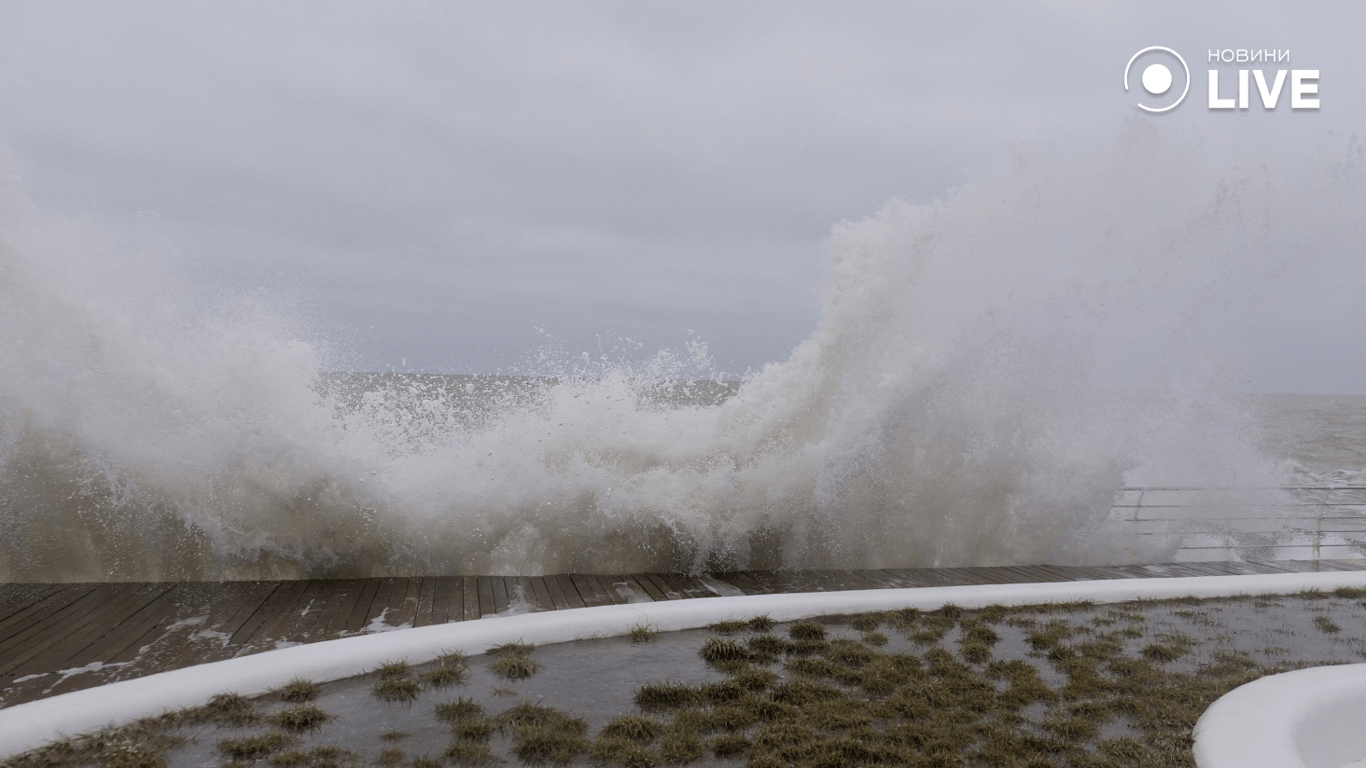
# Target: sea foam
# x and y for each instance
(989, 369)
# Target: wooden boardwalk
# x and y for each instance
(56, 638)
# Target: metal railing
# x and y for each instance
(1315, 511)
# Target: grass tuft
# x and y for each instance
(763, 623)
(635, 728)
(395, 669)
(396, 690)
(253, 747)
(669, 694)
(807, 630)
(537, 745)
(301, 719)
(643, 633)
(515, 667)
(728, 627)
(470, 753)
(1326, 625)
(716, 649)
(450, 669)
(298, 691)
(681, 746)
(615, 750)
(516, 648)
(459, 710)
(232, 709)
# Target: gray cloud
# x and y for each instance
(435, 181)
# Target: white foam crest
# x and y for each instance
(989, 370)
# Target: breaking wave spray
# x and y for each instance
(988, 370)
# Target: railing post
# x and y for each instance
(1318, 521)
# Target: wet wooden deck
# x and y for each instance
(56, 638)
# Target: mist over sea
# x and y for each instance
(990, 369)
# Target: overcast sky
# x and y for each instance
(445, 186)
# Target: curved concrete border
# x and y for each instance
(1309, 718)
(27, 726)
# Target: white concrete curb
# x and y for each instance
(1309, 718)
(27, 726)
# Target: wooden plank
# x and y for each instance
(14, 690)
(443, 589)
(589, 590)
(401, 609)
(229, 606)
(1021, 575)
(426, 598)
(1273, 567)
(364, 599)
(886, 578)
(49, 634)
(663, 586)
(920, 577)
(51, 600)
(993, 575)
(177, 641)
(65, 647)
(1201, 569)
(740, 581)
(140, 622)
(648, 587)
(394, 605)
(542, 593)
(571, 592)
(1055, 573)
(1331, 565)
(1220, 569)
(18, 598)
(277, 617)
(449, 603)
(1303, 566)
(690, 586)
(332, 621)
(860, 579)
(280, 600)
(1098, 573)
(379, 607)
(1352, 564)
(767, 580)
(557, 596)
(787, 581)
(298, 622)
(502, 593)
(1026, 575)
(609, 589)
(1139, 571)
(470, 591)
(317, 596)
(46, 613)
(486, 602)
(31, 689)
(126, 641)
(987, 576)
(628, 589)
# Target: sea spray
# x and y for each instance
(989, 370)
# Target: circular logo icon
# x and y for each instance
(1157, 76)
